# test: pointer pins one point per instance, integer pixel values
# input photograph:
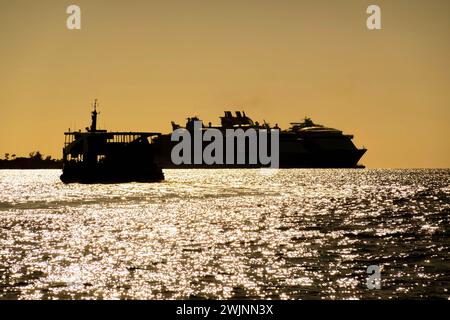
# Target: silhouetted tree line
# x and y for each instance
(35, 160)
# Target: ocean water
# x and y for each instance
(231, 234)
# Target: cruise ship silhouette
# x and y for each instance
(304, 145)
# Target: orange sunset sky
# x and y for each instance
(150, 62)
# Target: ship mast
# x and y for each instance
(94, 117)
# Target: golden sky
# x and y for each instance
(150, 62)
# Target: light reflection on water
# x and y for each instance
(306, 234)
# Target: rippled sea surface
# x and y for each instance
(298, 234)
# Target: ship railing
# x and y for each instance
(112, 137)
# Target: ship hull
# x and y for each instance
(292, 155)
(323, 159)
(316, 160)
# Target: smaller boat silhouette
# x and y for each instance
(99, 156)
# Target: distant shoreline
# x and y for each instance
(34, 161)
